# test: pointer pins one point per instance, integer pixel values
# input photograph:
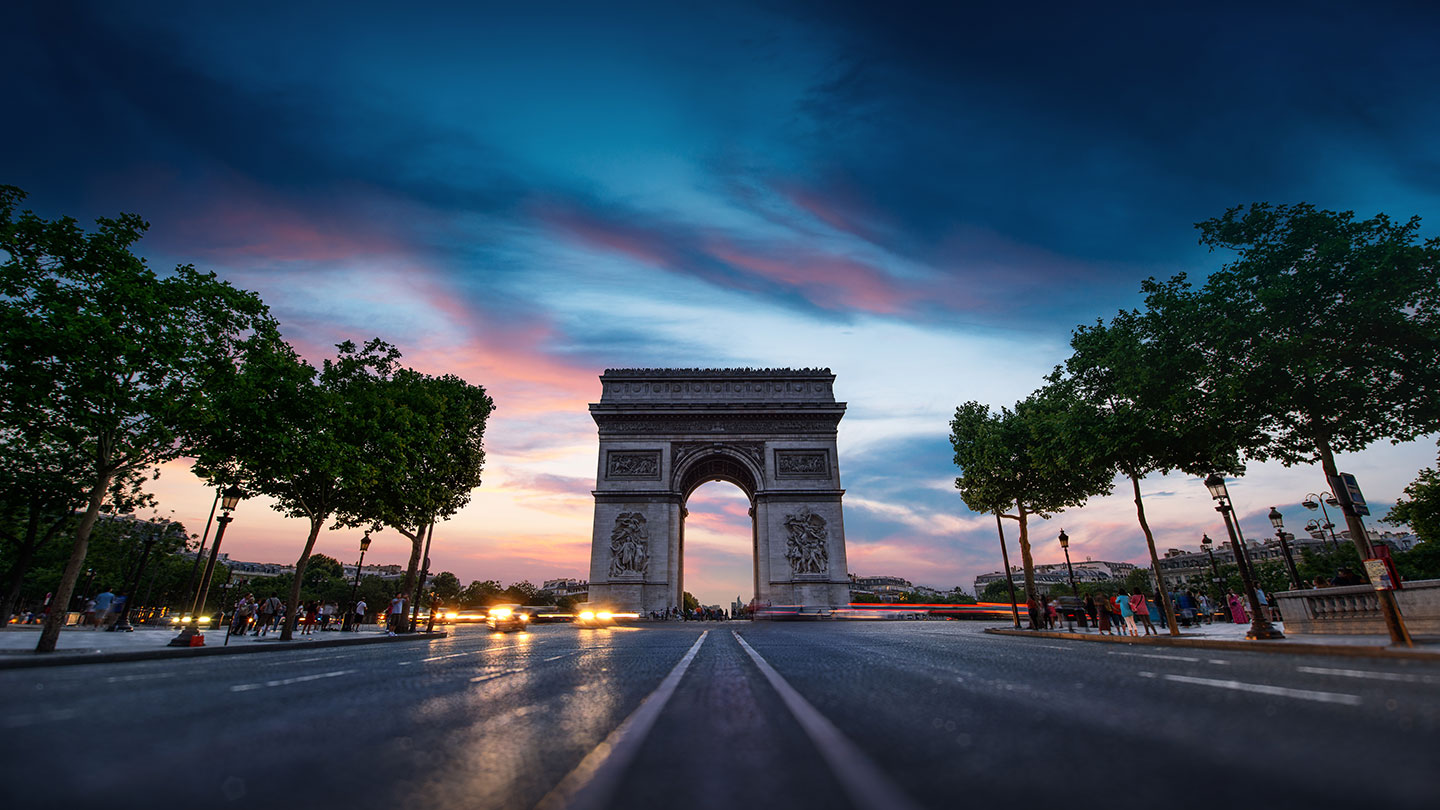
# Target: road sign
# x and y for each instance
(1379, 575)
(1346, 489)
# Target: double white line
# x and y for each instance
(592, 784)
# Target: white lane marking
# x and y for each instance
(591, 785)
(502, 673)
(1161, 657)
(564, 655)
(1263, 689)
(1218, 661)
(865, 783)
(1052, 646)
(128, 678)
(246, 687)
(319, 658)
(457, 655)
(1405, 677)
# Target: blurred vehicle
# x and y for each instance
(179, 620)
(507, 618)
(594, 618)
(1072, 609)
(447, 616)
(540, 614)
(471, 616)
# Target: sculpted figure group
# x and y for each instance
(805, 548)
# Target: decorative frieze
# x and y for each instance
(802, 464)
(633, 465)
(680, 451)
(612, 425)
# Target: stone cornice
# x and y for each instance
(714, 373)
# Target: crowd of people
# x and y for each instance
(1138, 613)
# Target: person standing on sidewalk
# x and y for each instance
(268, 610)
(397, 613)
(1141, 609)
(102, 608)
(360, 607)
(1127, 613)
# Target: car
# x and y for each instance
(471, 616)
(507, 618)
(594, 618)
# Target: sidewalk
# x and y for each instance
(1230, 636)
(85, 646)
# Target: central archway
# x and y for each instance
(770, 432)
(716, 466)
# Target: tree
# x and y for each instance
(690, 602)
(434, 451)
(305, 437)
(521, 593)
(997, 591)
(480, 594)
(1155, 407)
(1337, 321)
(1027, 459)
(1420, 508)
(106, 360)
(446, 586)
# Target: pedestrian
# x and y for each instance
(1265, 612)
(103, 603)
(1051, 614)
(244, 609)
(1090, 610)
(1127, 613)
(360, 607)
(397, 614)
(87, 618)
(1237, 608)
(269, 610)
(1141, 609)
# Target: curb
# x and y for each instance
(70, 659)
(1301, 648)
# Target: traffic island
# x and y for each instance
(21, 659)
(1426, 649)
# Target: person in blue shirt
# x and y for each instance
(103, 605)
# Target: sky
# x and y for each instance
(925, 199)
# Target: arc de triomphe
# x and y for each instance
(664, 432)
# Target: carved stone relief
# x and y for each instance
(642, 464)
(806, 547)
(802, 464)
(629, 546)
(719, 426)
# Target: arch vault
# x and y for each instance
(664, 432)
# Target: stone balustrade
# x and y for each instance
(1355, 609)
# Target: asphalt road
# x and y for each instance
(832, 715)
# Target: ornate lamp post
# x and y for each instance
(1315, 501)
(229, 499)
(1065, 545)
(1260, 627)
(1278, 521)
(364, 547)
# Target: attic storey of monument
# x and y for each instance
(665, 432)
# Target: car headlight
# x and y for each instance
(452, 615)
(587, 615)
(174, 619)
(204, 619)
(500, 613)
(604, 615)
(524, 617)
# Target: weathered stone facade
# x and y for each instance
(664, 432)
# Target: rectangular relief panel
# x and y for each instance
(632, 465)
(802, 464)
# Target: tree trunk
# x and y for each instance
(292, 608)
(407, 585)
(1029, 564)
(1009, 578)
(1165, 607)
(60, 602)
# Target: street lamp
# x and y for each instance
(1065, 545)
(150, 536)
(1278, 521)
(229, 499)
(1260, 627)
(364, 547)
(1315, 501)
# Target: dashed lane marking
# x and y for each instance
(1262, 689)
(1185, 658)
(592, 784)
(862, 779)
(1403, 677)
(246, 687)
(146, 677)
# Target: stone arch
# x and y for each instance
(665, 432)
